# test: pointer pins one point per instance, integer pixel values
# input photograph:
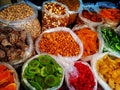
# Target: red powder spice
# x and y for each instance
(85, 80)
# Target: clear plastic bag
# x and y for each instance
(21, 46)
(54, 16)
(74, 36)
(100, 78)
(14, 73)
(29, 21)
(107, 46)
(109, 13)
(72, 73)
(100, 42)
(26, 65)
(93, 10)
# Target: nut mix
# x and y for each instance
(109, 70)
(74, 10)
(21, 16)
(54, 14)
(13, 44)
(59, 43)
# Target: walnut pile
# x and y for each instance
(13, 44)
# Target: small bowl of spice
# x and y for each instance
(54, 14)
(60, 41)
(15, 45)
(8, 77)
(20, 15)
(42, 72)
(84, 78)
(106, 68)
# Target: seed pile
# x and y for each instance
(59, 43)
(16, 12)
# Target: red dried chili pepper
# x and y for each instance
(85, 80)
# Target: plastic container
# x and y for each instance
(70, 35)
(42, 72)
(16, 41)
(54, 14)
(78, 79)
(104, 74)
(10, 75)
(26, 19)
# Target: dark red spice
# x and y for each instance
(85, 80)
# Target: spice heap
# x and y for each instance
(109, 69)
(111, 39)
(13, 44)
(7, 80)
(85, 80)
(111, 16)
(59, 43)
(43, 73)
(89, 39)
(54, 14)
(21, 16)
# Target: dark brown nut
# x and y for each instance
(2, 54)
(2, 36)
(13, 38)
(5, 43)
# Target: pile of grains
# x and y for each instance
(13, 44)
(59, 43)
(54, 14)
(13, 15)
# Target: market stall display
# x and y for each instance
(73, 45)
